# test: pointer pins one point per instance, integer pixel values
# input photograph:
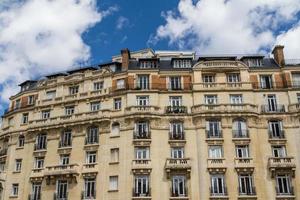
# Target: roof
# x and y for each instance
(27, 82)
(82, 69)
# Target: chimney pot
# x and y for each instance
(125, 53)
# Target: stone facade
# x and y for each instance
(156, 125)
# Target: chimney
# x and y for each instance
(278, 55)
(125, 59)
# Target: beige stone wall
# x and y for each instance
(195, 144)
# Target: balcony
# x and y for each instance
(65, 144)
(176, 109)
(58, 171)
(85, 196)
(276, 109)
(277, 136)
(89, 169)
(141, 135)
(91, 141)
(35, 196)
(38, 147)
(56, 196)
(244, 164)
(135, 110)
(294, 107)
(247, 193)
(3, 152)
(176, 136)
(216, 165)
(182, 196)
(178, 164)
(240, 134)
(281, 163)
(136, 195)
(37, 174)
(224, 108)
(285, 195)
(214, 135)
(222, 86)
(141, 165)
(220, 193)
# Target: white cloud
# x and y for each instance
(122, 22)
(227, 26)
(42, 36)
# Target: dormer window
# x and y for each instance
(148, 63)
(254, 62)
(182, 63)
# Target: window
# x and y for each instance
(98, 86)
(11, 121)
(278, 151)
(275, 129)
(143, 82)
(182, 63)
(176, 130)
(211, 99)
(142, 153)
(64, 159)
(242, 151)
(208, 80)
(142, 100)
(298, 98)
(2, 166)
(254, 62)
(239, 129)
(89, 188)
(18, 104)
(25, 118)
(178, 186)
(215, 151)
(69, 110)
(283, 184)
(66, 139)
(21, 141)
(62, 189)
(36, 191)
(144, 64)
(141, 185)
(45, 114)
(141, 129)
(18, 165)
(233, 78)
(175, 83)
(41, 142)
(218, 185)
(91, 157)
(236, 99)
(120, 84)
(266, 81)
(51, 94)
(30, 100)
(113, 183)
(175, 101)
(114, 155)
(92, 136)
(246, 184)
(39, 162)
(177, 152)
(15, 189)
(213, 129)
(296, 80)
(115, 129)
(73, 90)
(95, 106)
(117, 104)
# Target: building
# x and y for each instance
(159, 125)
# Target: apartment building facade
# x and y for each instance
(159, 125)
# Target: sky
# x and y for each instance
(38, 37)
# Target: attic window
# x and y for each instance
(182, 63)
(254, 62)
(145, 64)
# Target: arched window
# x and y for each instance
(92, 136)
(115, 129)
(239, 128)
(21, 141)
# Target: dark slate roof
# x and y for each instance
(31, 82)
(82, 69)
(54, 75)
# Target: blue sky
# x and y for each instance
(38, 37)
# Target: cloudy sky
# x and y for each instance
(42, 36)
